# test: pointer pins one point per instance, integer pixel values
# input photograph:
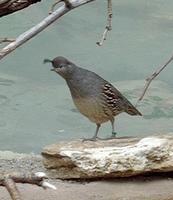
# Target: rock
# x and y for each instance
(122, 157)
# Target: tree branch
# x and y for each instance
(24, 37)
(153, 76)
(12, 189)
(109, 23)
(10, 6)
(10, 180)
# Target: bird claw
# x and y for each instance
(113, 136)
(93, 139)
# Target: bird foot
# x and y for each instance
(113, 136)
(93, 139)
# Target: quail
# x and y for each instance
(93, 96)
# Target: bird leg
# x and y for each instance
(113, 136)
(94, 138)
(113, 129)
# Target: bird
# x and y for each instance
(94, 97)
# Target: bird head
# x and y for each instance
(62, 66)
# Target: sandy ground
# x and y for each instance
(161, 189)
(155, 187)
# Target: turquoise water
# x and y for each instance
(35, 104)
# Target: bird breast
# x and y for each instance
(92, 109)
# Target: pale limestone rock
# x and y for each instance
(121, 157)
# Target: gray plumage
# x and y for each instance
(94, 97)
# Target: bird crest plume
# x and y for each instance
(47, 61)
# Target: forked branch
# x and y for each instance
(153, 76)
(24, 37)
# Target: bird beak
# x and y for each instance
(52, 69)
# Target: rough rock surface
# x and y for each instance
(120, 157)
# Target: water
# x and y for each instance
(35, 104)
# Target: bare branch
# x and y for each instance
(12, 189)
(6, 40)
(24, 37)
(109, 23)
(10, 180)
(151, 77)
(67, 3)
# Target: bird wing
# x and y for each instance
(117, 102)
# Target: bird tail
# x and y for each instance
(131, 110)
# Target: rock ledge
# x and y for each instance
(121, 157)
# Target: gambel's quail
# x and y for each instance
(94, 97)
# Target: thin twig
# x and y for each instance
(24, 37)
(109, 23)
(6, 40)
(151, 77)
(53, 6)
(12, 189)
(67, 3)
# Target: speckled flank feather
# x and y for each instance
(117, 102)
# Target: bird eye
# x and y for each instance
(60, 66)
